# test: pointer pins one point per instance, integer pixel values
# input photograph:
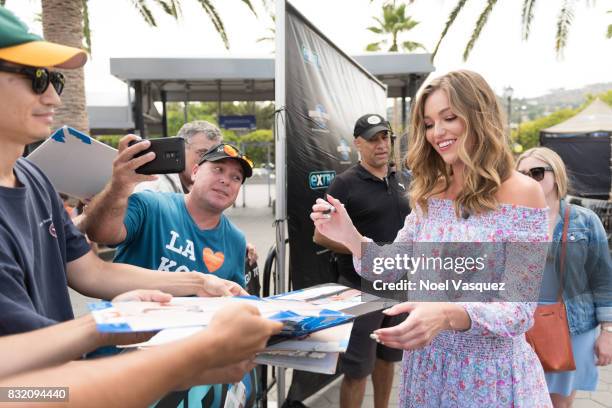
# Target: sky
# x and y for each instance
(531, 68)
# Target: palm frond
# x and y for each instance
(411, 46)
(262, 39)
(407, 24)
(250, 6)
(379, 21)
(609, 34)
(86, 27)
(374, 46)
(144, 12)
(564, 21)
(170, 7)
(400, 11)
(451, 19)
(375, 30)
(216, 20)
(527, 17)
(176, 7)
(164, 6)
(482, 21)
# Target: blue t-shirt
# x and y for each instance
(37, 240)
(162, 235)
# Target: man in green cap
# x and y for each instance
(42, 253)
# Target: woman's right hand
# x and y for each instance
(336, 225)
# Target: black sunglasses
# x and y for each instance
(41, 78)
(537, 173)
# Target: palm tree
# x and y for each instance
(63, 23)
(609, 35)
(67, 22)
(564, 21)
(394, 21)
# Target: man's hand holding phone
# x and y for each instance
(125, 164)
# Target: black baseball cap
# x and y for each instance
(227, 151)
(369, 125)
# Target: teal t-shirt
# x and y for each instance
(162, 235)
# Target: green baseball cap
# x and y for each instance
(19, 46)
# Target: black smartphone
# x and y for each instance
(169, 156)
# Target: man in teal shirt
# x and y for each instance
(169, 231)
(176, 232)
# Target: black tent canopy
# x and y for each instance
(584, 142)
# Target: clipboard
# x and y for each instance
(75, 163)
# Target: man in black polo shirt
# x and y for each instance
(375, 198)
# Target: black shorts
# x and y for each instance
(362, 351)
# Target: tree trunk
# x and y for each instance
(63, 24)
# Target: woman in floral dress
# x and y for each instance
(464, 189)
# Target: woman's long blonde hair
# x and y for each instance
(489, 161)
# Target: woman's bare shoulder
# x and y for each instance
(521, 190)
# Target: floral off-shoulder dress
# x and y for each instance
(491, 364)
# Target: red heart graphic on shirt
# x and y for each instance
(213, 260)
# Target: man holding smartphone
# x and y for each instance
(174, 231)
(170, 231)
(199, 136)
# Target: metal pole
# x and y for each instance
(281, 150)
(138, 109)
(509, 113)
(269, 172)
(186, 108)
(164, 98)
(243, 186)
(130, 109)
(219, 102)
(404, 118)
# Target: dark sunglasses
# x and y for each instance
(41, 78)
(537, 173)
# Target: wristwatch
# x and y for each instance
(607, 328)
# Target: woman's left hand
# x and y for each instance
(422, 325)
(603, 348)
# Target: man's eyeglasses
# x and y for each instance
(41, 78)
(537, 173)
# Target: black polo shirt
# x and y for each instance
(378, 208)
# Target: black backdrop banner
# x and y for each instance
(326, 91)
(589, 178)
